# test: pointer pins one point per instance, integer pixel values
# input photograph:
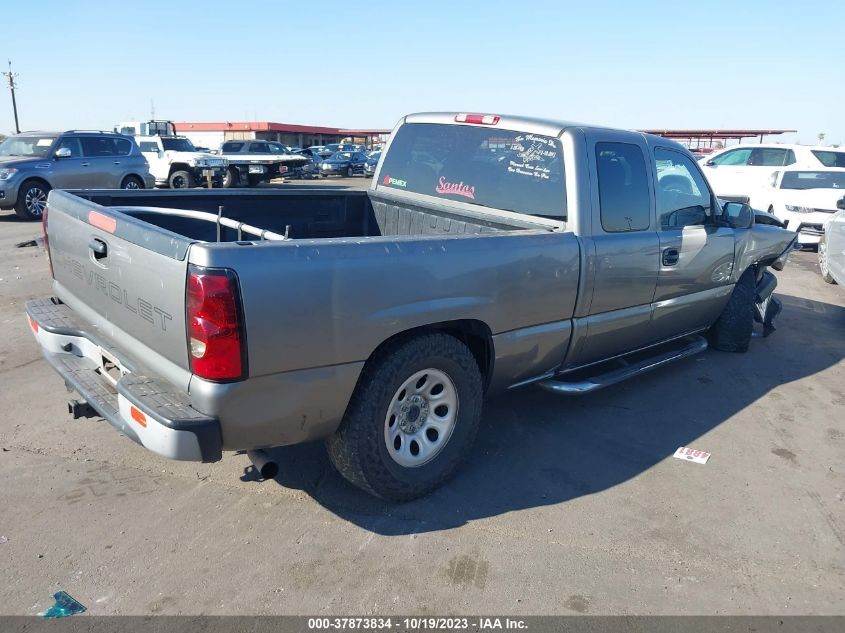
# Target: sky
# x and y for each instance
(644, 64)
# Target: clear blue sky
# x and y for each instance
(665, 64)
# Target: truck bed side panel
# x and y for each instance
(316, 303)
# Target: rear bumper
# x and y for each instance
(143, 408)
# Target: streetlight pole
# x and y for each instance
(11, 77)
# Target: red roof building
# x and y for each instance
(213, 134)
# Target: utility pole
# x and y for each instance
(11, 77)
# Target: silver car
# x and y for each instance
(33, 163)
(832, 247)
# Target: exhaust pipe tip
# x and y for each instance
(264, 464)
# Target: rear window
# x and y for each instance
(486, 166)
(830, 159)
(232, 147)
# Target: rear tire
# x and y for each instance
(231, 178)
(132, 182)
(32, 200)
(732, 331)
(181, 179)
(824, 268)
(436, 379)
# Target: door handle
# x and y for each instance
(86, 164)
(98, 247)
(670, 256)
(117, 162)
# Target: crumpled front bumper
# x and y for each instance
(145, 409)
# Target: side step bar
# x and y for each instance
(689, 346)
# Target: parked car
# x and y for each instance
(33, 163)
(803, 199)
(737, 171)
(832, 247)
(321, 150)
(312, 168)
(408, 302)
(343, 164)
(254, 161)
(371, 163)
(176, 163)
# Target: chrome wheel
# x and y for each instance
(35, 200)
(421, 418)
(131, 184)
(823, 259)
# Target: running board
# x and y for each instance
(689, 346)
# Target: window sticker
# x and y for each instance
(455, 188)
(533, 154)
(396, 182)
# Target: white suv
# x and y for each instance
(736, 172)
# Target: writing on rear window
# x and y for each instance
(480, 165)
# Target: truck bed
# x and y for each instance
(301, 213)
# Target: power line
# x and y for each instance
(11, 77)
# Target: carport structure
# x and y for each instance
(703, 140)
(213, 134)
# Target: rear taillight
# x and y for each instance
(480, 119)
(47, 239)
(216, 342)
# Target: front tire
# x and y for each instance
(824, 267)
(412, 419)
(32, 200)
(732, 331)
(349, 172)
(181, 179)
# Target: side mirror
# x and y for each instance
(840, 204)
(738, 215)
(710, 163)
(63, 152)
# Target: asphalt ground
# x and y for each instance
(567, 506)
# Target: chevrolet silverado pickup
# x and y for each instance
(491, 252)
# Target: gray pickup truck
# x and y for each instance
(491, 252)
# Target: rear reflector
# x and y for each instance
(32, 323)
(481, 119)
(139, 417)
(216, 343)
(95, 218)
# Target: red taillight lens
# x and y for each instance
(216, 344)
(479, 119)
(47, 239)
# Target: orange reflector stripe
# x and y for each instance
(139, 417)
(102, 221)
(32, 323)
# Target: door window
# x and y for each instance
(97, 146)
(733, 157)
(259, 148)
(232, 147)
(71, 143)
(149, 146)
(122, 146)
(623, 187)
(767, 157)
(683, 198)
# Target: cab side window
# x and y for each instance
(623, 187)
(149, 146)
(733, 157)
(71, 143)
(683, 198)
(259, 148)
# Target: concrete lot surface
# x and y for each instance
(568, 506)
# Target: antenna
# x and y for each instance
(11, 77)
(152, 110)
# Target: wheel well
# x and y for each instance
(178, 167)
(474, 334)
(36, 179)
(135, 176)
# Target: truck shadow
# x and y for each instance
(536, 448)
